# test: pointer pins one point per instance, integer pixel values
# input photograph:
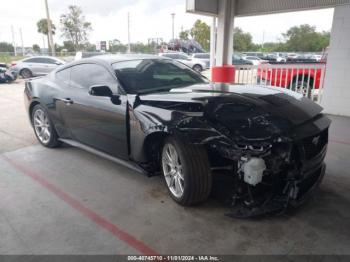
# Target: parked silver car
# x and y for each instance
(195, 64)
(36, 66)
(205, 57)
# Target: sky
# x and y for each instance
(148, 19)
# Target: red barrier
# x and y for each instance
(223, 74)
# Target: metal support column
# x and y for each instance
(213, 42)
(224, 42)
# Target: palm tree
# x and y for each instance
(43, 29)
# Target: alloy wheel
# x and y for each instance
(172, 170)
(197, 68)
(26, 73)
(42, 126)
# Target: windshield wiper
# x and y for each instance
(154, 90)
(168, 88)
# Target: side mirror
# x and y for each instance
(100, 90)
(58, 63)
(104, 91)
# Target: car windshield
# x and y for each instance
(151, 75)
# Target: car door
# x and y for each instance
(185, 60)
(34, 65)
(96, 121)
(48, 65)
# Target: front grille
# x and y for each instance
(313, 145)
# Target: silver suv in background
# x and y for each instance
(36, 66)
(195, 64)
(205, 57)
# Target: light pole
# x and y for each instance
(173, 25)
(129, 47)
(263, 41)
(14, 41)
(49, 29)
(21, 35)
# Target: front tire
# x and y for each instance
(43, 128)
(186, 171)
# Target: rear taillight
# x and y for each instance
(13, 64)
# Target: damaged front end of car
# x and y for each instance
(266, 151)
(261, 162)
(268, 177)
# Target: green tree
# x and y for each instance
(69, 46)
(201, 33)
(36, 48)
(117, 47)
(74, 27)
(184, 35)
(90, 47)
(242, 41)
(142, 48)
(43, 29)
(6, 47)
(324, 40)
(272, 47)
(58, 48)
(305, 38)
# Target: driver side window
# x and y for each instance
(182, 57)
(86, 75)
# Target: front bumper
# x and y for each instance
(296, 193)
(294, 184)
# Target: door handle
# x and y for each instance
(67, 101)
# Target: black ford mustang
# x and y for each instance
(156, 115)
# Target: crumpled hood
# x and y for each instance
(249, 111)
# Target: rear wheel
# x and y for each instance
(43, 128)
(186, 171)
(26, 73)
(198, 68)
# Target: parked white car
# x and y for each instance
(205, 57)
(36, 66)
(196, 64)
(256, 60)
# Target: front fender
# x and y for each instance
(147, 122)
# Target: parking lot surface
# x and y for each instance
(67, 201)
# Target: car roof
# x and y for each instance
(173, 53)
(50, 57)
(41, 56)
(111, 59)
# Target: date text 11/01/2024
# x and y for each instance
(173, 258)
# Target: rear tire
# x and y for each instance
(188, 168)
(26, 73)
(43, 128)
(198, 68)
